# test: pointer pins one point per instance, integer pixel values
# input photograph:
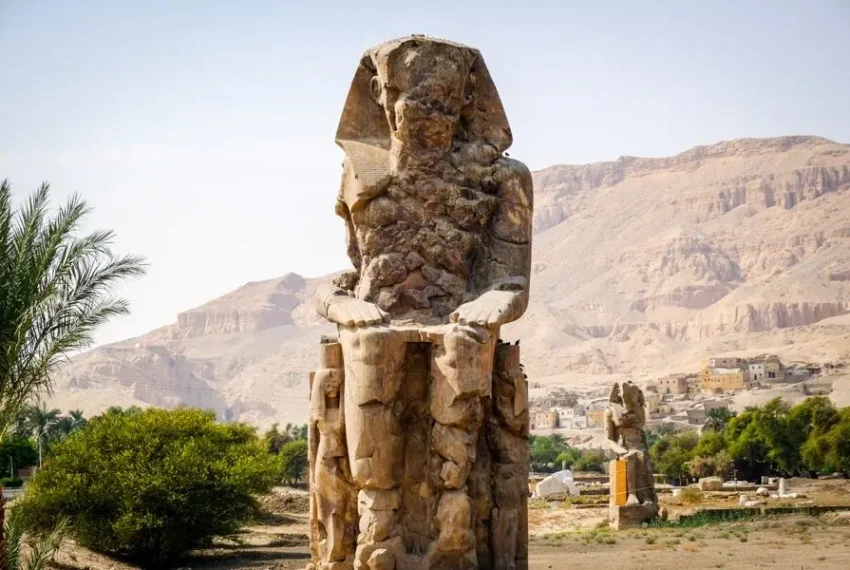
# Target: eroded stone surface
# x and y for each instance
(429, 408)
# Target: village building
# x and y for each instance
(766, 369)
(722, 379)
(696, 416)
(671, 384)
(544, 419)
(723, 362)
(572, 417)
(657, 406)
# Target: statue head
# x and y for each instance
(422, 94)
(633, 399)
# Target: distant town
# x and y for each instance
(684, 401)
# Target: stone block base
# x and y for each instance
(622, 517)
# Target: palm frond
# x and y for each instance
(45, 546)
(14, 531)
(55, 291)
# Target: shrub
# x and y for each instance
(152, 485)
(11, 483)
(591, 460)
(293, 460)
(691, 495)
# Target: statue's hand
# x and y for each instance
(490, 309)
(352, 312)
(633, 453)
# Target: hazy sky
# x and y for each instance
(202, 132)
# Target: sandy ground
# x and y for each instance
(568, 538)
(784, 542)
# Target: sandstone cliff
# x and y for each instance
(642, 266)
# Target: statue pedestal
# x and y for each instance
(622, 517)
(450, 496)
(620, 514)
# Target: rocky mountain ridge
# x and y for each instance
(642, 266)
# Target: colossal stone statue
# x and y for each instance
(424, 409)
(633, 498)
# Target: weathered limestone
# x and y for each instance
(632, 487)
(424, 409)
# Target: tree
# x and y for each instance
(763, 441)
(814, 415)
(152, 485)
(810, 421)
(568, 458)
(671, 454)
(118, 410)
(275, 439)
(830, 451)
(711, 443)
(545, 451)
(659, 432)
(17, 453)
(78, 420)
(39, 420)
(590, 460)
(293, 461)
(838, 440)
(558, 441)
(296, 432)
(55, 291)
(717, 465)
(718, 419)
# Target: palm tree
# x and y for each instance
(718, 419)
(74, 421)
(39, 419)
(55, 291)
(77, 418)
(559, 442)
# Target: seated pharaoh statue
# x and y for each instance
(418, 413)
(625, 419)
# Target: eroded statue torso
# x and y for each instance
(426, 244)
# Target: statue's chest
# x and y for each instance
(430, 208)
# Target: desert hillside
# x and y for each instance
(643, 266)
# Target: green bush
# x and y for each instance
(293, 461)
(11, 483)
(152, 485)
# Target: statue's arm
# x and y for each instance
(506, 269)
(333, 302)
(612, 434)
